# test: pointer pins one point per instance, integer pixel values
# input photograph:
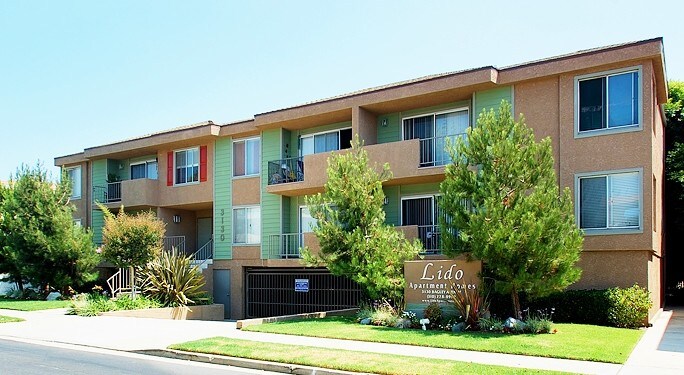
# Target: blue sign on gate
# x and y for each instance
(301, 285)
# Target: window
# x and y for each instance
(608, 101)
(246, 157)
(423, 212)
(610, 201)
(187, 166)
(74, 175)
(144, 170)
(247, 225)
(325, 142)
(433, 131)
(306, 221)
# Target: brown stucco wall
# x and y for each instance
(190, 194)
(246, 190)
(187, 227)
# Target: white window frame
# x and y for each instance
(73, 195)
(610, 230)
(145, 163)
(434, 116)
(175, 167)
(619, 129)
(433, 197)
(245, 140)
(234, 232)
(311, 135)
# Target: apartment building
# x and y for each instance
(235, 192)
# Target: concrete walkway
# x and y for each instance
(661, 349)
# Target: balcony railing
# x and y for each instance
(285, 246)
(285, 170)
(107, 194)
(433, 150)
(431, 239)
(174, 242)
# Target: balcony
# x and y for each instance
(287, 245)
(433, 150)
(429, 236)
(140, 192)
(306, 175)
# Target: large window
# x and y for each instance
(247, 225)
(187, 166)
(325, 142)
(423, 212)
(246, 157)
(74, 175)
(610, 201)
(433, 130)
(608, 101)
(144, 170)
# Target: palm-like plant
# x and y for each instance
(173, 280)
(470, 304)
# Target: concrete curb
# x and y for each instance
(242, 362)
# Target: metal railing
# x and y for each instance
(120, 282)
(107, 194)
(430, 237)
(285, 170)
(177, 242)
(285, 246)
(433, 150)
(204, 253)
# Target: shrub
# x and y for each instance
(171, 279)
(491, 324)
(629, 307)
(470, 304)
(384, 315)
(94, 304)
(433, 312)
(125, 302)
(537, 325)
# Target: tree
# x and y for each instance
(39, 241)
(355, 241)
(131, 241)
(502, 206)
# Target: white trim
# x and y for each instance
(198, 166)
(402, 198)
(232, 157)
(145, 162)
(80, 177)
(610, 230)
(607, 130)
(339, 142)
(435, 114)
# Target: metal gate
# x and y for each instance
(271, 292)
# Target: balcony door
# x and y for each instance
(423, 212)
(433, 130)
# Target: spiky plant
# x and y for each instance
(173, 280)
(470, 304)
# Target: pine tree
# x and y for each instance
(40, 242)
(354, 239)
(503, 206)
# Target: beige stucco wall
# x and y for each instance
(190, 194)
(187, 227)
(246, 190)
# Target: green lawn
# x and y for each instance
(572, 341)
(9, 319)
(13, 304)
(342, 359)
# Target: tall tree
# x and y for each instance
(40, 242)
(502, 205)
(354, 239)
(131, 240)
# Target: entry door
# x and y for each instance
(222, 290)
(204, 231)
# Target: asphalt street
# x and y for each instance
(22, 358)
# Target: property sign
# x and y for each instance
(429, 281)
(301, 285)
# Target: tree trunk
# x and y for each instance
(517, 313)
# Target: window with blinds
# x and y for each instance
(610, 201)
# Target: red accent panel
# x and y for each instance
(169, 169)
(203, 163)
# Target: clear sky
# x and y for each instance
(77, 74)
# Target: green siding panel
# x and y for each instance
(392, 206)
(390, 131)
(223, 199)
(271, 204)
(418, 189)
(97, 225)
(491, 99)
(99, 180)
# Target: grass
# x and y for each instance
(572, 341)
(9, 319)
(342, 359)
(23, 305)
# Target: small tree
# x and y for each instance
(39, 241)
(354, 239)
(503, 207)
(131, 240)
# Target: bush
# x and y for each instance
(570, 306)
(537, 325)
(470, 304)
(629, 307)
(433, 312)
(94, 304)
(171, 279)
(491, 324)
(381, 314)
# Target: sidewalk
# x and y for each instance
(652, 355)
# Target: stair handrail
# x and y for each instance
(204, 253)
(119, 281)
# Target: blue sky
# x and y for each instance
(76, 74)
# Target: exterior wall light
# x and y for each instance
(176, 219)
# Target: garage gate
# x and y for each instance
(271, 292)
